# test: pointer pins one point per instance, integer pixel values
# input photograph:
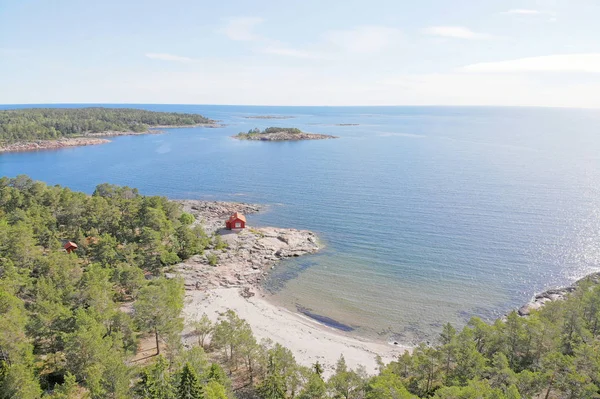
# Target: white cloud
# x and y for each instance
(241, 28)
(550, 63)
(168, 57)
(523, 11)
(455, 32)
(364, 39)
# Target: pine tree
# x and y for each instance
(273, 386)
(214, 390)
(157, 382)
(189, 385)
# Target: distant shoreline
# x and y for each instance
(269, 117)
(87, 139)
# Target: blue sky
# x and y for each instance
(327, 52)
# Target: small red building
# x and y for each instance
(70, 246)
(236, 221)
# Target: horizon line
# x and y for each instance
(320, 106)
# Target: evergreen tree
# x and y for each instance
(156, 381)
(273, 386)
(158, 308)
(214, 390)
(189, 384)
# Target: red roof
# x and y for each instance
(70, 244)
(239, 216)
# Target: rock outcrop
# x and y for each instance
(557, 294)
(50, 144)
(250, 253)
(212, 214)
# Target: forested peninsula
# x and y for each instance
(74, 325)
(280, 134)
(41, 128)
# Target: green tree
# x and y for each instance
(189, 384)
(214, 390)
(387, 385)
(17, 379)
(500, 375)
(68, 389)
(345, 383)
(448, 349)
(203, 328)
(186, 219)
(86, 349)
(232, 333)
(469, 362)
(314, 388)
(196, 358)
(425, 366)
(474, 390)
(273, 385)
(156, 381)
(158, 308)
(216, 373)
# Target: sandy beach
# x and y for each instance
(234, 283)
(308, 340)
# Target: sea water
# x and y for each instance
(427, 214)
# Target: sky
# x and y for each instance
(310, 52)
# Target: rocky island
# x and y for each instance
(281, 134)
(31, 129)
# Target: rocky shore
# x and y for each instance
(283, 136)
(51, 144)
(250, 253)
(557, 294)
(234, 283)
(86, 139)
(152, 130)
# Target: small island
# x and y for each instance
(280, 134)
(31, 129)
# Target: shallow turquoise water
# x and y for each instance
(429, 214)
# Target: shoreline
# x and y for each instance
(87, 139)
(555, 294)
(309, 340)
(38, 145)
(235, 283)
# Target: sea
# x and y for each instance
(427, 215)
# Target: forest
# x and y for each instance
(54, 123)
(71, 324)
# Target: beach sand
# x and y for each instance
(308, 340)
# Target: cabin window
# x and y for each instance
(238, 225)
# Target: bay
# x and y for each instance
(428, 214)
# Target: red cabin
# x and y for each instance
(236, 221)
(70, 247)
